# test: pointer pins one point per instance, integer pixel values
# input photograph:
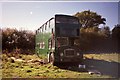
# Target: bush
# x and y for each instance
(16, 41)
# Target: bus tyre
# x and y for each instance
(51, 58)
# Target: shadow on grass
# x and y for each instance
(104, 67)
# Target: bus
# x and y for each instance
(57, 39)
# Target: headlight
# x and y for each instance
(61, 54)
(61, 59)
(78, 54)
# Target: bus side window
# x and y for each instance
(49, 24)
(49, 44)
(36, 31)
(42, 29)
(45, 26)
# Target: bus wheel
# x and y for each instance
(51, 58)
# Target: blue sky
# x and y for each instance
(31, 15)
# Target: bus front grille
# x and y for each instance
(69, 52)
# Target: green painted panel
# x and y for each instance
(42, 38)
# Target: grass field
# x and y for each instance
(106, 64)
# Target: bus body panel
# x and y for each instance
(43, 37)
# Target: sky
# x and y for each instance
(31, 15)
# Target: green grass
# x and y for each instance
(36, 70)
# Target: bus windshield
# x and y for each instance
(67, 20)
(67, 26)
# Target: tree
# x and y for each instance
(116, 36)
(90, 19)
(116, 31)
(105, 31)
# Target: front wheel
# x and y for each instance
(51, 58)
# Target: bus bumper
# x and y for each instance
(71, 59)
